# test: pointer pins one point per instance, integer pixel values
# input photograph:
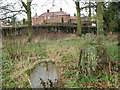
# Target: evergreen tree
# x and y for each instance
(62, 19)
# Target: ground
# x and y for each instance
(18, 55)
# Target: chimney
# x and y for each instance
(61, 9)
(47, 10)
(35, 14)
(74, 14)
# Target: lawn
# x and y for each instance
(18, 55)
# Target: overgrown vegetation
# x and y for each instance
(18, 55)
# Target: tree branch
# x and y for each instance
(25, 6)
(8, 17)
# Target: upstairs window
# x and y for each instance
(54, 17)
(48, 17)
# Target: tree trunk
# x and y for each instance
(79, 33)
(92, 59)
(89, 16)
(100, 22)
(89, 10)
(29, 21)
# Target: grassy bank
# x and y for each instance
(18, 55)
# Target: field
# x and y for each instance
(18, 55)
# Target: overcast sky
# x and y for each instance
(42, 6)
(66, 5)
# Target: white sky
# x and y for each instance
(40, 7)
(66, 5)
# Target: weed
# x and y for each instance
(18, 55)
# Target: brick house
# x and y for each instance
(21, 22)
(84, 20)
(57, 17)
(73, 19)
(51, 17)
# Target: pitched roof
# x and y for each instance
(73, 17)
(59, 13)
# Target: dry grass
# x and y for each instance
(56, 46)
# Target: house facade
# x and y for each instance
(21, 22)
(73, 19)
(51, 17)
(1, 23)
(56, 17)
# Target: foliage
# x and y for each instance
(16, 56)
(111, 18)
(62, 20)
(24, 21)
(64, 51)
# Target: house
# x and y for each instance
(35, 19)
(84, 21)
(1, 23)
(21, 22)
(73, 19)
(51, 17)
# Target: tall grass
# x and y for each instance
(18, 55)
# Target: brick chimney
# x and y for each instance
(47, 10)
(35, 14)
(61, 9)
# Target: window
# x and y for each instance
(54, 17)
(48, 17)
(66, 17)
(35, 18)
(75, 20)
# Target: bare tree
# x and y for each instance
(79, 30)
(28, 10)
(8, 8)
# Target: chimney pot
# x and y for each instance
(35, 14)
(47, 10)
(60, 9)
